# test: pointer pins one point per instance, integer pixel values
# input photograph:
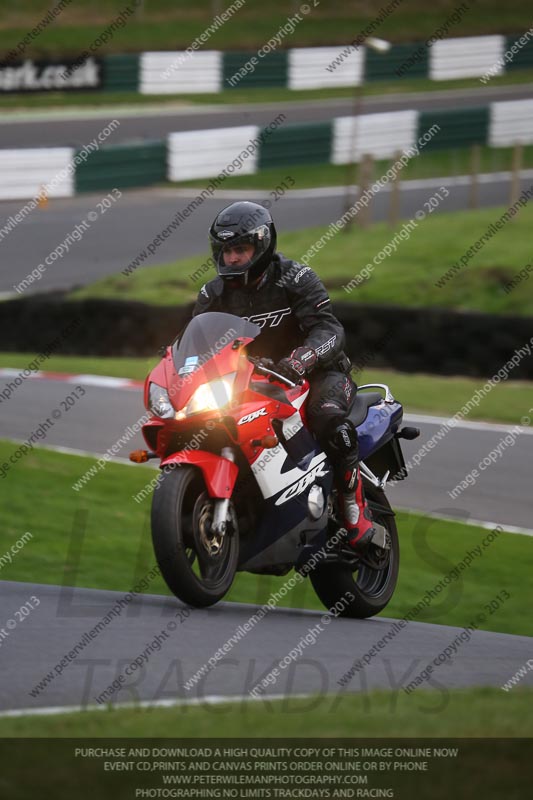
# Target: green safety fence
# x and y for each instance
(410, 60)
(271, 70)
(523, 59)
(458, 127)
(121, 73)
(123, 166)
(297, 144)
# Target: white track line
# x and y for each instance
(491, 427)
(105, 381)
(214, 699)
(476, 523)
(72, 451)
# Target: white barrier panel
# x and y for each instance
(511, 122)
(180, 72)
(24, 173)
(308, 67)
(469, 57)
(204, 154)
(380, 135)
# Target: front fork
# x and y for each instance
(219, 525)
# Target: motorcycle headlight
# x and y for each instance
(210, 396)
(159, 402)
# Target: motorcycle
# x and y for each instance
(245, 486)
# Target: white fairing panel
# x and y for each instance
(271, 480)
(268, 466)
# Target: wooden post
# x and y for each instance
(514, 193)
(351, 183)
(475, 166)
(394, 207)
(366, 175)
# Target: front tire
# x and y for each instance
(371, 588)
(181, 514)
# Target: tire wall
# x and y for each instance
(410, 340)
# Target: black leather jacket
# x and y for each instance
(292, 307)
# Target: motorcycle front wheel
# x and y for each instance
(197, 567)
(372, 582)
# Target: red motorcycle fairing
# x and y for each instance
(254, 415)
(253, 421)
(182, 387)
(219, 473)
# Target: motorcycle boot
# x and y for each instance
(356, 515)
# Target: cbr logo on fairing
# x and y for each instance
(301, 485)
(250, 417)
(273, 317)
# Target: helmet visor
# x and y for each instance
(223, 245)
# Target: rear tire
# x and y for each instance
(181, 515)
(371, 588)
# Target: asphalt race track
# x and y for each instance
(35, 646)
(116, 238)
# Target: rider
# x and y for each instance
(299, 332)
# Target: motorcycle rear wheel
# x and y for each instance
(371, 588)
(181, 515)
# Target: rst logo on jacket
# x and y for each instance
(254, 415)
(301, 485)
(301, 273)
(326, 347)
(273, 318)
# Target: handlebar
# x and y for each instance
(265, 371)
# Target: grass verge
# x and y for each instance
(431, 164)
(429, 394)
(134, 368)
(482, 713)
(99, 537)
(407, 277)
(174, 24)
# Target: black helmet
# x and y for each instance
(243, 223)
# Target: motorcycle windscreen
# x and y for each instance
(206, 336)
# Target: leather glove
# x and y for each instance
(299, 364)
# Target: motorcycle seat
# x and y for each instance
(361, 404)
